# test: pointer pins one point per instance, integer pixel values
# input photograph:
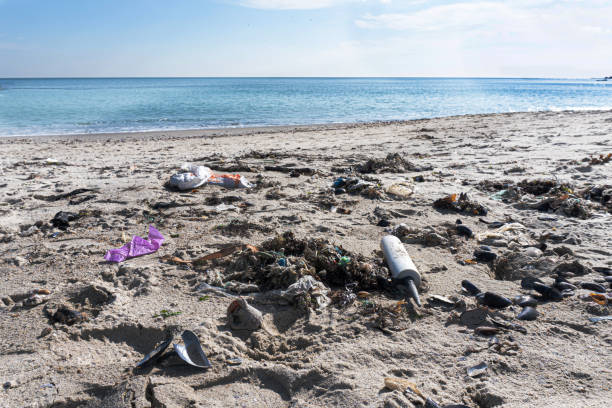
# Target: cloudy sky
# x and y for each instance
(511, 38)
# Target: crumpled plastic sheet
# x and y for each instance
(138, 246)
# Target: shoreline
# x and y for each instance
(271, 129)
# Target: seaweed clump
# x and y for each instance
(284, 259)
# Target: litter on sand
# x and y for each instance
(138, 246)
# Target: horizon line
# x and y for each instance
(295, 77)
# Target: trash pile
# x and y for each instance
(460, 204)
(393, 163)
(545, 195)
(371, 188)
(195, 176)
(284, 259)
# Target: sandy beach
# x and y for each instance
(538, 196)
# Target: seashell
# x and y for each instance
(527, 283)
(528, 313)
(242, 316)
(524, 301)
(477, 369)
(547, 292)
(484, 256)
(470, 287)
(363, 294)
(191, 352)
(442, 299)
(564, 286)
(429, 403)
(493, 300)
(486, 330)
(568, 293)
(234, 361)
(153, 355)
(464, 231)
(595, 287)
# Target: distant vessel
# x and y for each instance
(604, 79)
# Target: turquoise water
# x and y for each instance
(63, 106)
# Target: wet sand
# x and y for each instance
(338, 355)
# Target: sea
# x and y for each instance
(52, 106)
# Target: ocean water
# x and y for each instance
(98, 105)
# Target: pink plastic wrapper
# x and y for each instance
(136, 247)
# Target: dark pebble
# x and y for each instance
(339, 191)
(496, 224)
(484, 256)
(568, 293)
(528, 313)
(524, 301)
(419, 179)
(608, 279)
(596, 287)
(547, 292)
(68, 316)
(383, 223)
(493, 300)
(470, 287)
(464, 231)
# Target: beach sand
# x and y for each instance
(338, 355)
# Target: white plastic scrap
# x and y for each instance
(194, 177)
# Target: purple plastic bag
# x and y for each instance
(137, 247)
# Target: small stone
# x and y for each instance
(10, 384)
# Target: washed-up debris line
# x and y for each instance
(282, 260)
(365, 187)
(460, 204)
(553, 196)
(393, 163)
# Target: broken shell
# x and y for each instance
(477, 369)
(401, 384)
(599, 298)
(363, 294)
(493, 300)
(43, 292)
(528, 313)
(486, 330)
(191, 352)
(564, 286)
(547, 292)
(442, 299)
(234, 361)
(470, 287)
(155, 353)
(525, 301)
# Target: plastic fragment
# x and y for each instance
(137, 247)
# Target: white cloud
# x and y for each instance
(301, 4)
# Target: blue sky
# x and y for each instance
(511, 38)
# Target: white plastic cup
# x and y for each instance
(398, 260)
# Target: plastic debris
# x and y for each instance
(137, 247)
(193, 177)
(307, 290)
(62, 219)
(229, 181)
(400, 191)
(191, 352)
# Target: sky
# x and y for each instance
(483, 38)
